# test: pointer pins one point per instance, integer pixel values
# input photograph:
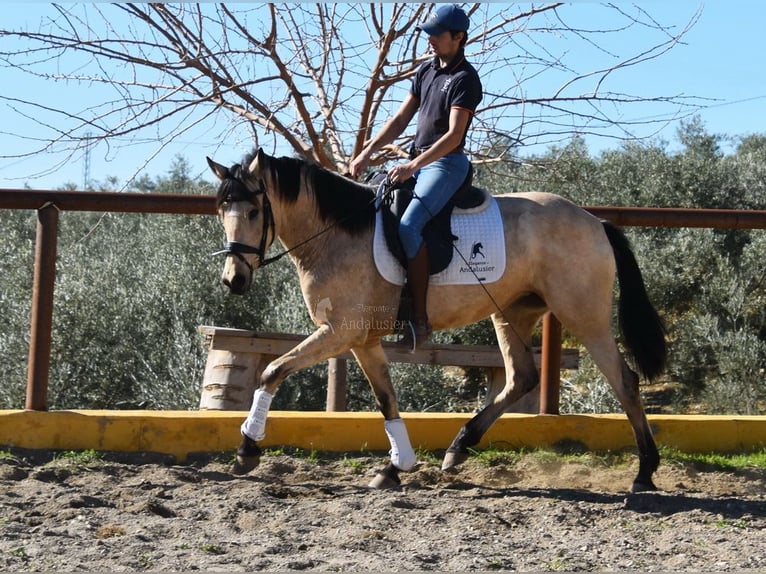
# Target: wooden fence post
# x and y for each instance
(39, 361)
(337, 384)
(550, 366)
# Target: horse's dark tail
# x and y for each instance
(642, 328)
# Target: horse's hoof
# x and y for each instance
(387, 478)
(453, 459)
(248, 456)
(245, 464)
(643, 486)
(384, 482)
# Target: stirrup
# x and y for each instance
(416, 335)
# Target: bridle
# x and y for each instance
(238, 249)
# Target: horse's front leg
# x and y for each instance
(374, 364)
(320, 345)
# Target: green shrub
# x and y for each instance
(132, 289)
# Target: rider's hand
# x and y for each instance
(402, 172)
(359, 164)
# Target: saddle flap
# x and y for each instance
(437, 233)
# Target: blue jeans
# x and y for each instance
(435, 184)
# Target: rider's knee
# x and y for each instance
(411, 238)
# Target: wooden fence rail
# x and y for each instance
(49, 203)
(237, 356)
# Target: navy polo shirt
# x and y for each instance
(441, 89)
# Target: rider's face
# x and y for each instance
(444, 45)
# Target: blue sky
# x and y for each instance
(722, 60)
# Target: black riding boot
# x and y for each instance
(419, 329)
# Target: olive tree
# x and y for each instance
(708, 284)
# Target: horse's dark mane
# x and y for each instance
(339, 200)
(233, 188)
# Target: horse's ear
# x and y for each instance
(259, 163)
(220, 171)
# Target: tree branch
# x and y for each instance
(322, 78)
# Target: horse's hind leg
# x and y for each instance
(374, 364)
(513, 332)
(586, 310)
(603, 350)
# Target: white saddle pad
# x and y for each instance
(479, 252)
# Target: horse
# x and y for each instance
(559, 258)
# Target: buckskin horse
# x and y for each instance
(559, 258)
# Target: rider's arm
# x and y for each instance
(458, 122)
(391, 130)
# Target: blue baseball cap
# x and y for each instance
(447, 17)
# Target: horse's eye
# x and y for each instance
(252, 214)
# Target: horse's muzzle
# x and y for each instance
(238, 284)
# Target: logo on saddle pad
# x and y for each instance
(476, 250)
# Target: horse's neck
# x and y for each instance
(298, 227)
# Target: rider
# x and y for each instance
(446, 90)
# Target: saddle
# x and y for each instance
(437, 233)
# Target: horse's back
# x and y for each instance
(544, 205)
(553, 237)
(548, 214)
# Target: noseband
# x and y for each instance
(237, 248)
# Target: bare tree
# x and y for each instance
(318, 79)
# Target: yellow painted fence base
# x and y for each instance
(180, 433)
